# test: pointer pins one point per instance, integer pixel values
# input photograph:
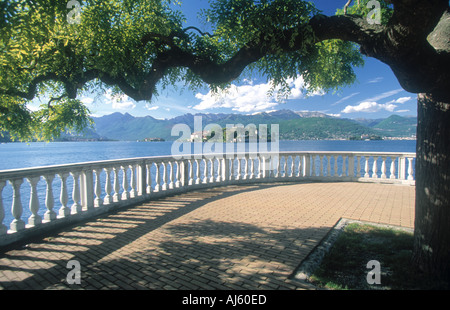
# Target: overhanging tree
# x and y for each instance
(54, 50)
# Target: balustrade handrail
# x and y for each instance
(91, 188)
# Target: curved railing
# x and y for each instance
(47, 197)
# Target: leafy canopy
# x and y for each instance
(136, 46)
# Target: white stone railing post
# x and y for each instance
(64, 211)
(35, 218)
(116, 196)
(410, 169)
(366, 167)
(3, 228)
(383, 167)
(108, 198)
(17, 224)
(375, 168)
(392, 170)
(125, 192)
(49, 215)
(89, 180)
(87, 189)
(98, 202)
(76, 207)
(148, 169)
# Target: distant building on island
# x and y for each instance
(153, 140)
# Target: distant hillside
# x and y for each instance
(397, 126)
(322, 128)
(292, 125)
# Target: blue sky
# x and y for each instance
(376, 94)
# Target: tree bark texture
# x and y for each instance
(432, 218)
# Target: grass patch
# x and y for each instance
(344, 267)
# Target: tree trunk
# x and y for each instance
(432, 219)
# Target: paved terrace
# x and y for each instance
(231, 237)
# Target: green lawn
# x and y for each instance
(345, 266)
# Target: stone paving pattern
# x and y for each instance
(232, 237)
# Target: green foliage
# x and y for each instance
(326, 66)
(345, 265)
(116, 45)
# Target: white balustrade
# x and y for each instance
(97, 187)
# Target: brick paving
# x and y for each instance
(231, 237)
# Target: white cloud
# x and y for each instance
(249, 97)
(151, 108)
(369, 107)
(334, 115)
(383, 95)
(402, 111)
(120, 101)
(401, 100)
(87, 100)
(345, 98)
(375, 80)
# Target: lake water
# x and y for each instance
(23, 155)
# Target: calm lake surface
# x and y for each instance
(23, 155)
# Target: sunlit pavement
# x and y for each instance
(231, 237)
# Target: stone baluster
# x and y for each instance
(328, 166)
(218, 169)
(392, 170)
(49, 215)
(17, 224)
(344, 166)
(190, 172)
(208, 170)
(116, 185)
(375, 168)
(300, 167)
(64, 210)
(238, 166)
(197, 171)
(275, 166)
(358, 166)
(383, 167)
(35, 218)
(212, 170)
(245, 168)
(98, 202)
(366, 167)
(177, 174)
(76, 207)
(133, 191)
(351, 166)
(164, 176)
(285, 174)
(410, 169)
(157, 177)
(149, 178)
(252, 168)
(108, 198)
(170, 168)
(125, 192)
(226, 169)
(335, 165)
(231, 165)
(3, 228)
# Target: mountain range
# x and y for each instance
(293, 125)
